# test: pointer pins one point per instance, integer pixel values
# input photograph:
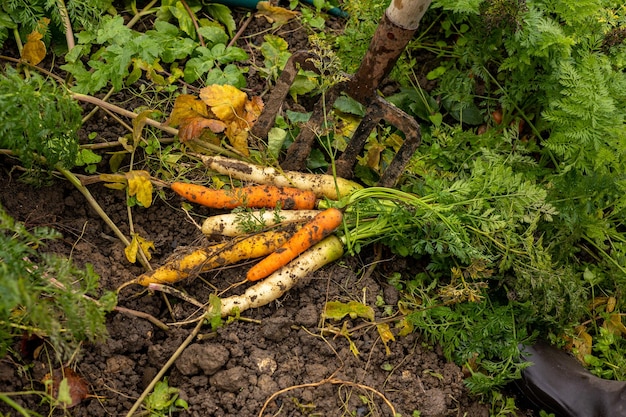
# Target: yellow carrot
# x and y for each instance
(205, 259)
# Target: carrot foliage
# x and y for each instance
(38, 119)
(43, 294)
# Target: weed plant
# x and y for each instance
(45, 295)
(525, 98)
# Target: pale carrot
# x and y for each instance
(281, 281)
(324, 186)
(230, 224)
(254, 196)
(312, 232)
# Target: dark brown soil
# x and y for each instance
(245, 364)
(283, 358)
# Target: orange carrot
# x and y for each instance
(254, 196)
(312, 232)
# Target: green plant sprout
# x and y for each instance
(164, 400)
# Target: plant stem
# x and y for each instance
(65, 17)
(167, 365)
(26, 413)
(101, 103)
(143, 315)
(94, 204)
(192, 16)
(145, 11)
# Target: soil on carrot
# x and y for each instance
(283, 359)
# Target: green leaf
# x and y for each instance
(230, 75)
(87, 157)
(180, 403)
(6, 21)
(303, 84)
(297, 117)
(112, 29)
(196, 68)
(275, 139)
(337, 310)
(436, 73)
(459, 6)
(60, 310)
(215, 312)
(275, 50)
(184, 20)
(213, 35)
(466, 113)
(162, 397)
(349, 105)
(172, 47)
(316, 159)
(224, 15)
(229, 54)
(38, 120)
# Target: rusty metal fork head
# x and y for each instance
(385, 48)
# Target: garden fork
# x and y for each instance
(395, 30)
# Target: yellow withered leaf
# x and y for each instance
(610, 304)
(138, 242)
(615, 325)
(405, 326)
(385, 335)
(186, 106)
(34, 50)
(582, 343)
(274, 14)
(238, 138)
(226, 101)
(140, 186)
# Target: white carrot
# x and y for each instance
(230, 224)
(323, 185)
(271, 288)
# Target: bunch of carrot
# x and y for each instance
(295, 207)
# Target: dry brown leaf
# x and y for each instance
(193, 128)
(66, 386)
(254, 108)
(221, 108)
(274, 14)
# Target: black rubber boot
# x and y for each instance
(559, 384)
